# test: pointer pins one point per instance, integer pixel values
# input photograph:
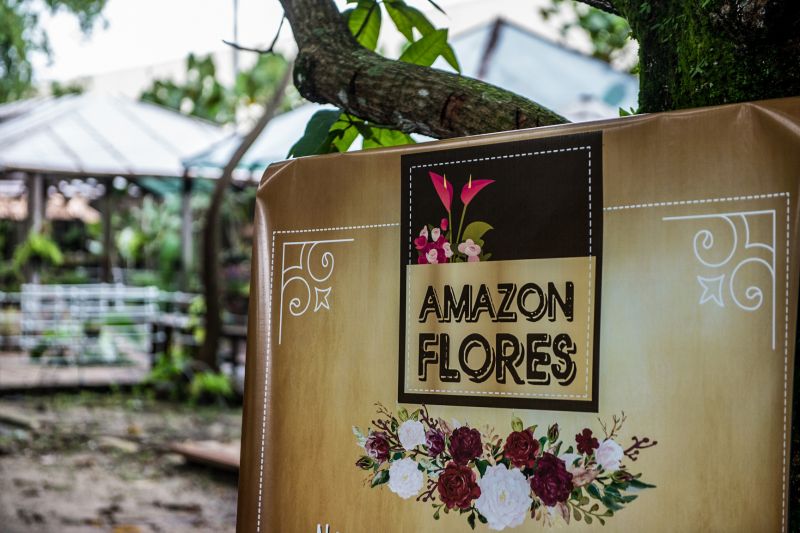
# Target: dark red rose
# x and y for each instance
(377, 446)
(521, 449)
(434, 439)
(551, 482)
(586, 443)
(465, 445)
(457, 487)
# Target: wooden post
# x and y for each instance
(186, 231)
(36, 202)
(107, 234)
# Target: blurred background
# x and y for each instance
(123, 128)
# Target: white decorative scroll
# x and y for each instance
(744, 252)
(312, 271)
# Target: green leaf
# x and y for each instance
(449, 55)
(610, 503)
(342, 133)
(425, 51)
(379, 137)
(397, 456)
(400, 18)
(419, 20)
(360, 438)
(425, 27)
(315, 139)
(381, 477)
(587, 519)
(365, 23)
(471, 520)
(576, 513)
(593, 491)
(402, 414)
(482, 465)
(475, 231)
(635, 483)
(516, 424)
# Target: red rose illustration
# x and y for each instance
(457, 487)
(521, 449)
(586, 443)
(465, 445)
(551, 482)
(434, 439)
(377, 446)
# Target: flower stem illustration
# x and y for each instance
(442, 244)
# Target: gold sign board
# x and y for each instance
(582, 327)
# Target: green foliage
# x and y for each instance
(608, 33)
(316, 139)
(210, 387)
(365, 23)
(173, 378)
(425, 51)
(151, 237)
(202, 95)
(21, 36)
(169, 376)
(37, 247)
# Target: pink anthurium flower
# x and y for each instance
(472, 188)
(443, 189)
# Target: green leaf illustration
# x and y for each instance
(360, 438)
(381, 477)
(475, 231)
(516, 424)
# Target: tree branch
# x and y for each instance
(331, 67)
(211, 268)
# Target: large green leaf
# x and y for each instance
(425, 51)
(400, 18)
(421, 22)
(365, 23)
(315, 139)
(385, 137)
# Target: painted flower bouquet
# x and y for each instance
(496, 481)
(438, 244)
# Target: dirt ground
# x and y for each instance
(99, 462)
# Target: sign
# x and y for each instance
(502, 251)
(581, 327)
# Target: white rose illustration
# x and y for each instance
(411, 434)
(405, 479)
(609, 455)
(505, 497)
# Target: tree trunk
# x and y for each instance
(210, 269)
(695, 54)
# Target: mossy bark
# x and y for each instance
(696, 53)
